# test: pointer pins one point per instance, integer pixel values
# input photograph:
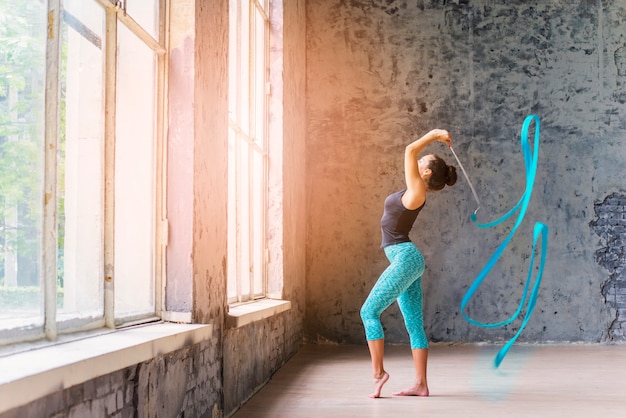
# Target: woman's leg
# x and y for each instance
(410, 303)
(377, 351)
(379, 299)
(392, 283)
(420, 388)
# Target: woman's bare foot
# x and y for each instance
(378, 385)
(418, 390)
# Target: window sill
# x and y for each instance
(240, 315)
(33, 374)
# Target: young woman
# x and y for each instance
(402, 280)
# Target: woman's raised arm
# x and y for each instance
(415, 185)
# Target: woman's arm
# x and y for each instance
(416, 188)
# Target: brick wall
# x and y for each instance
(178, 384)
(610, 225)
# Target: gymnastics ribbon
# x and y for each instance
(540, 232)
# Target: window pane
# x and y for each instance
(258, 202)
(134, 177)
(232, 220)
(259, 79)
(243, 70)
(265, 5)
(243, 218)
(22, 78)
(80, 163)
(146, 13)
(232, 60)
(248, 150)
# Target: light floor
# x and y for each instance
(533, 381)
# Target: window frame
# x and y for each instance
(115, 13)
(244, 127)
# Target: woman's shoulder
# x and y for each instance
(412, 201)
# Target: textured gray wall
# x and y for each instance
(380, 73)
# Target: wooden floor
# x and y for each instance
(533, 381)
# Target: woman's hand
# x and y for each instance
(441, 135)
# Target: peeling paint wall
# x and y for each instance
(381, 73)
(610, 226)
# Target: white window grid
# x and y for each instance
(248, 149)
(116, 14)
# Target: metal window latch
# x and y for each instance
(121, 4)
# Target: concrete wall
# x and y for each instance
(381, 73)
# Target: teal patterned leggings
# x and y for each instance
(401, 281)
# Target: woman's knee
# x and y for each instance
(366, 312)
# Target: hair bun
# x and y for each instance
(451, 175)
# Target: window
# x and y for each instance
(80, 151)
(22, 88)
(248, 143)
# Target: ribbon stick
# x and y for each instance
(540, 232)
(468, 180)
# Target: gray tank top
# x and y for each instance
(397, 220)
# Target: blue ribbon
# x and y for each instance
(540, 232)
